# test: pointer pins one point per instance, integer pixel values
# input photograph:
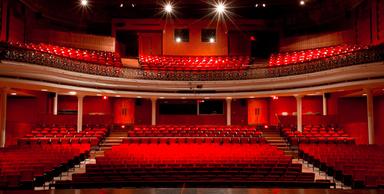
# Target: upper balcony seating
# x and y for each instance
(28, 166)
(317, 134)
(90, 56)
(294, 57)
(138, 164)
(194, 63)
(355, 165)
(194, 134)
(63, 135)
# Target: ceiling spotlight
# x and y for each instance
(178, 39)
(212, 40)
(121, 5)
(302, 2)
(84, 2)
(220, 8)
(105, 97)
(72, 93)
(13, 94)
(264, 5)
(44, 90)
(256, 5)
(133, 5)
(168, 8)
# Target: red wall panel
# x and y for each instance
(143, 109)
(379, 119)
(67, 103)
(353, 117)
(278, 106)
(239, 112)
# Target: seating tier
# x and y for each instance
(63, 135)
(294, 57)
(194, 63)
(24, 167)
(355, 165)
(90, 56)
(126, 164)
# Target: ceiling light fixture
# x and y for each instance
(168, 8)
(212, 40)
(302, 2)
(220, 8)
(13, 94)
(178, 39)
(72, 93)
(84, 2)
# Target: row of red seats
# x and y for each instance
(314, 135)
(195, 131)
(63, 135)
(186, 162)
(25, 167)
(198, 140)
(355, 165)
(312, 54)
(195, 128)
(90, 56)
(194, 62)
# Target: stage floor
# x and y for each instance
(199, 191)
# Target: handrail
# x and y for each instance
(373, 54)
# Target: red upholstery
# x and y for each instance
(63, 135)
(90, 56)
(32, 165)
(355, 165)
(192, 63)
(318, 135)
(194, 134)
(192, 163)
(311, 54)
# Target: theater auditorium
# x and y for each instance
(191, 96)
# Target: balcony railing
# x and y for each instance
(373, 54)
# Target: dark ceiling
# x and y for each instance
(103, 11)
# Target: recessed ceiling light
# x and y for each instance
(72, 93)
(133, 5)
(161, 97)
(364, 94)
(256, 5)
(13, 94)
(212, 40)
(44, 90)
(121, 5)
(264, 5)
(302, 2)
(178, 39)
(139, 97)
(251, 97)
(98, 94)
(118, 96)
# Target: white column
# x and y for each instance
(299, 114)
(80, 100)
(229, 110)
(3, 115)
(371, 126)
(55, 102)
(153, 111)
(325, 112)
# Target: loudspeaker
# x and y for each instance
(243, 102)
(138, 102)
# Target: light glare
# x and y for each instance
(84, 2)
(302, 2)
(168, 8)
(220, 8)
